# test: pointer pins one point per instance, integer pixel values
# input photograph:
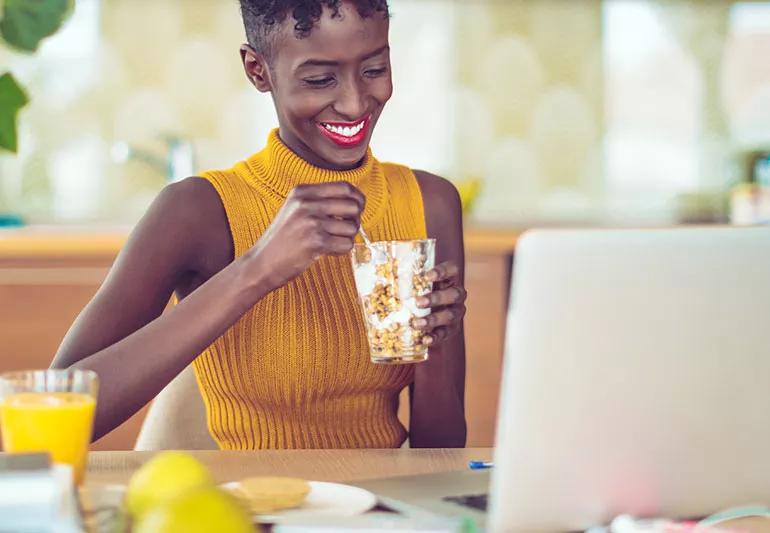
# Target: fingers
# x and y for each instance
(330, 203)
(337, 245)
(438, 335)
(333, 207)
(328, 217)
(449, 314)
(450, 296)
(340, 227)
(445, 317)
(326, 191)
(443, 272)
(329, 236)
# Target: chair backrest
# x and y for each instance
(176, 419)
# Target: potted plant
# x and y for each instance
(24, 24)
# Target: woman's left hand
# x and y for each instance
(447, 304)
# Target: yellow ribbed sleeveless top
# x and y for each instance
(294, 371)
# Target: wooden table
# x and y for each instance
(318, 465)
(322, 465)
(108, 468)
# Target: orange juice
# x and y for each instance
(59, 423)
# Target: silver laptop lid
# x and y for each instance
(637, 377)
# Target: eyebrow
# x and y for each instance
(331, 63)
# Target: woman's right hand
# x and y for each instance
(315, 220)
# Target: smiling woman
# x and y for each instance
(327, 82)
(257, 257)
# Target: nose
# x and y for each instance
(351, 100)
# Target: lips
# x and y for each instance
(346, 134)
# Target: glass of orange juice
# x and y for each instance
(49, 411)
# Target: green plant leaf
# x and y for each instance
(12, 99)
(27, 22)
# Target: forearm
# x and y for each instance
(437, 417)
(135, 369)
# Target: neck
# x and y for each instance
(278, 169)
(302, 150)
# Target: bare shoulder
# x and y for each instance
(437, 190)
(443, 210)
(190, 195)
(190, 214)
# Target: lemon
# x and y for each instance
(201, 510)
(162, 478)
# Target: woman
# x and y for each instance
(257, 257)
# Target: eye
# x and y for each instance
(375, 72)
(318, 82)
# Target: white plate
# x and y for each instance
(324, 499)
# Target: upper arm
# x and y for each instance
(164, 247)
(443, 217)
(437, 395)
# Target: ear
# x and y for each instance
(256, 68)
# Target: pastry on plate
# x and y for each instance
(269, 494)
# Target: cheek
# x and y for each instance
(305, 106)
(382, 90)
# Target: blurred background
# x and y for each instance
(581, 111)
(543, 112)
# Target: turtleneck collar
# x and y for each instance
(277, 169)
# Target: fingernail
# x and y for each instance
(428, 340)
(431, 276)
(423, 302)
(420, 323)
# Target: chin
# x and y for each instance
(348, 158)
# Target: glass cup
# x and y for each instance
(390, 276)
(49, 411)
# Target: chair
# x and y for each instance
(176, 419)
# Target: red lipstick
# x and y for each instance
(346, 134)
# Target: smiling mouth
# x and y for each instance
(347, 134)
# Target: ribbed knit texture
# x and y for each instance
(294, 371)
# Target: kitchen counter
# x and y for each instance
(62, 242)
(77, 241)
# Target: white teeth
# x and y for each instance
(345, 131)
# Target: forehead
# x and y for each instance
(344, 38)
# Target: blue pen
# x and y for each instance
(480, 465)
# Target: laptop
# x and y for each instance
(636, 380)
